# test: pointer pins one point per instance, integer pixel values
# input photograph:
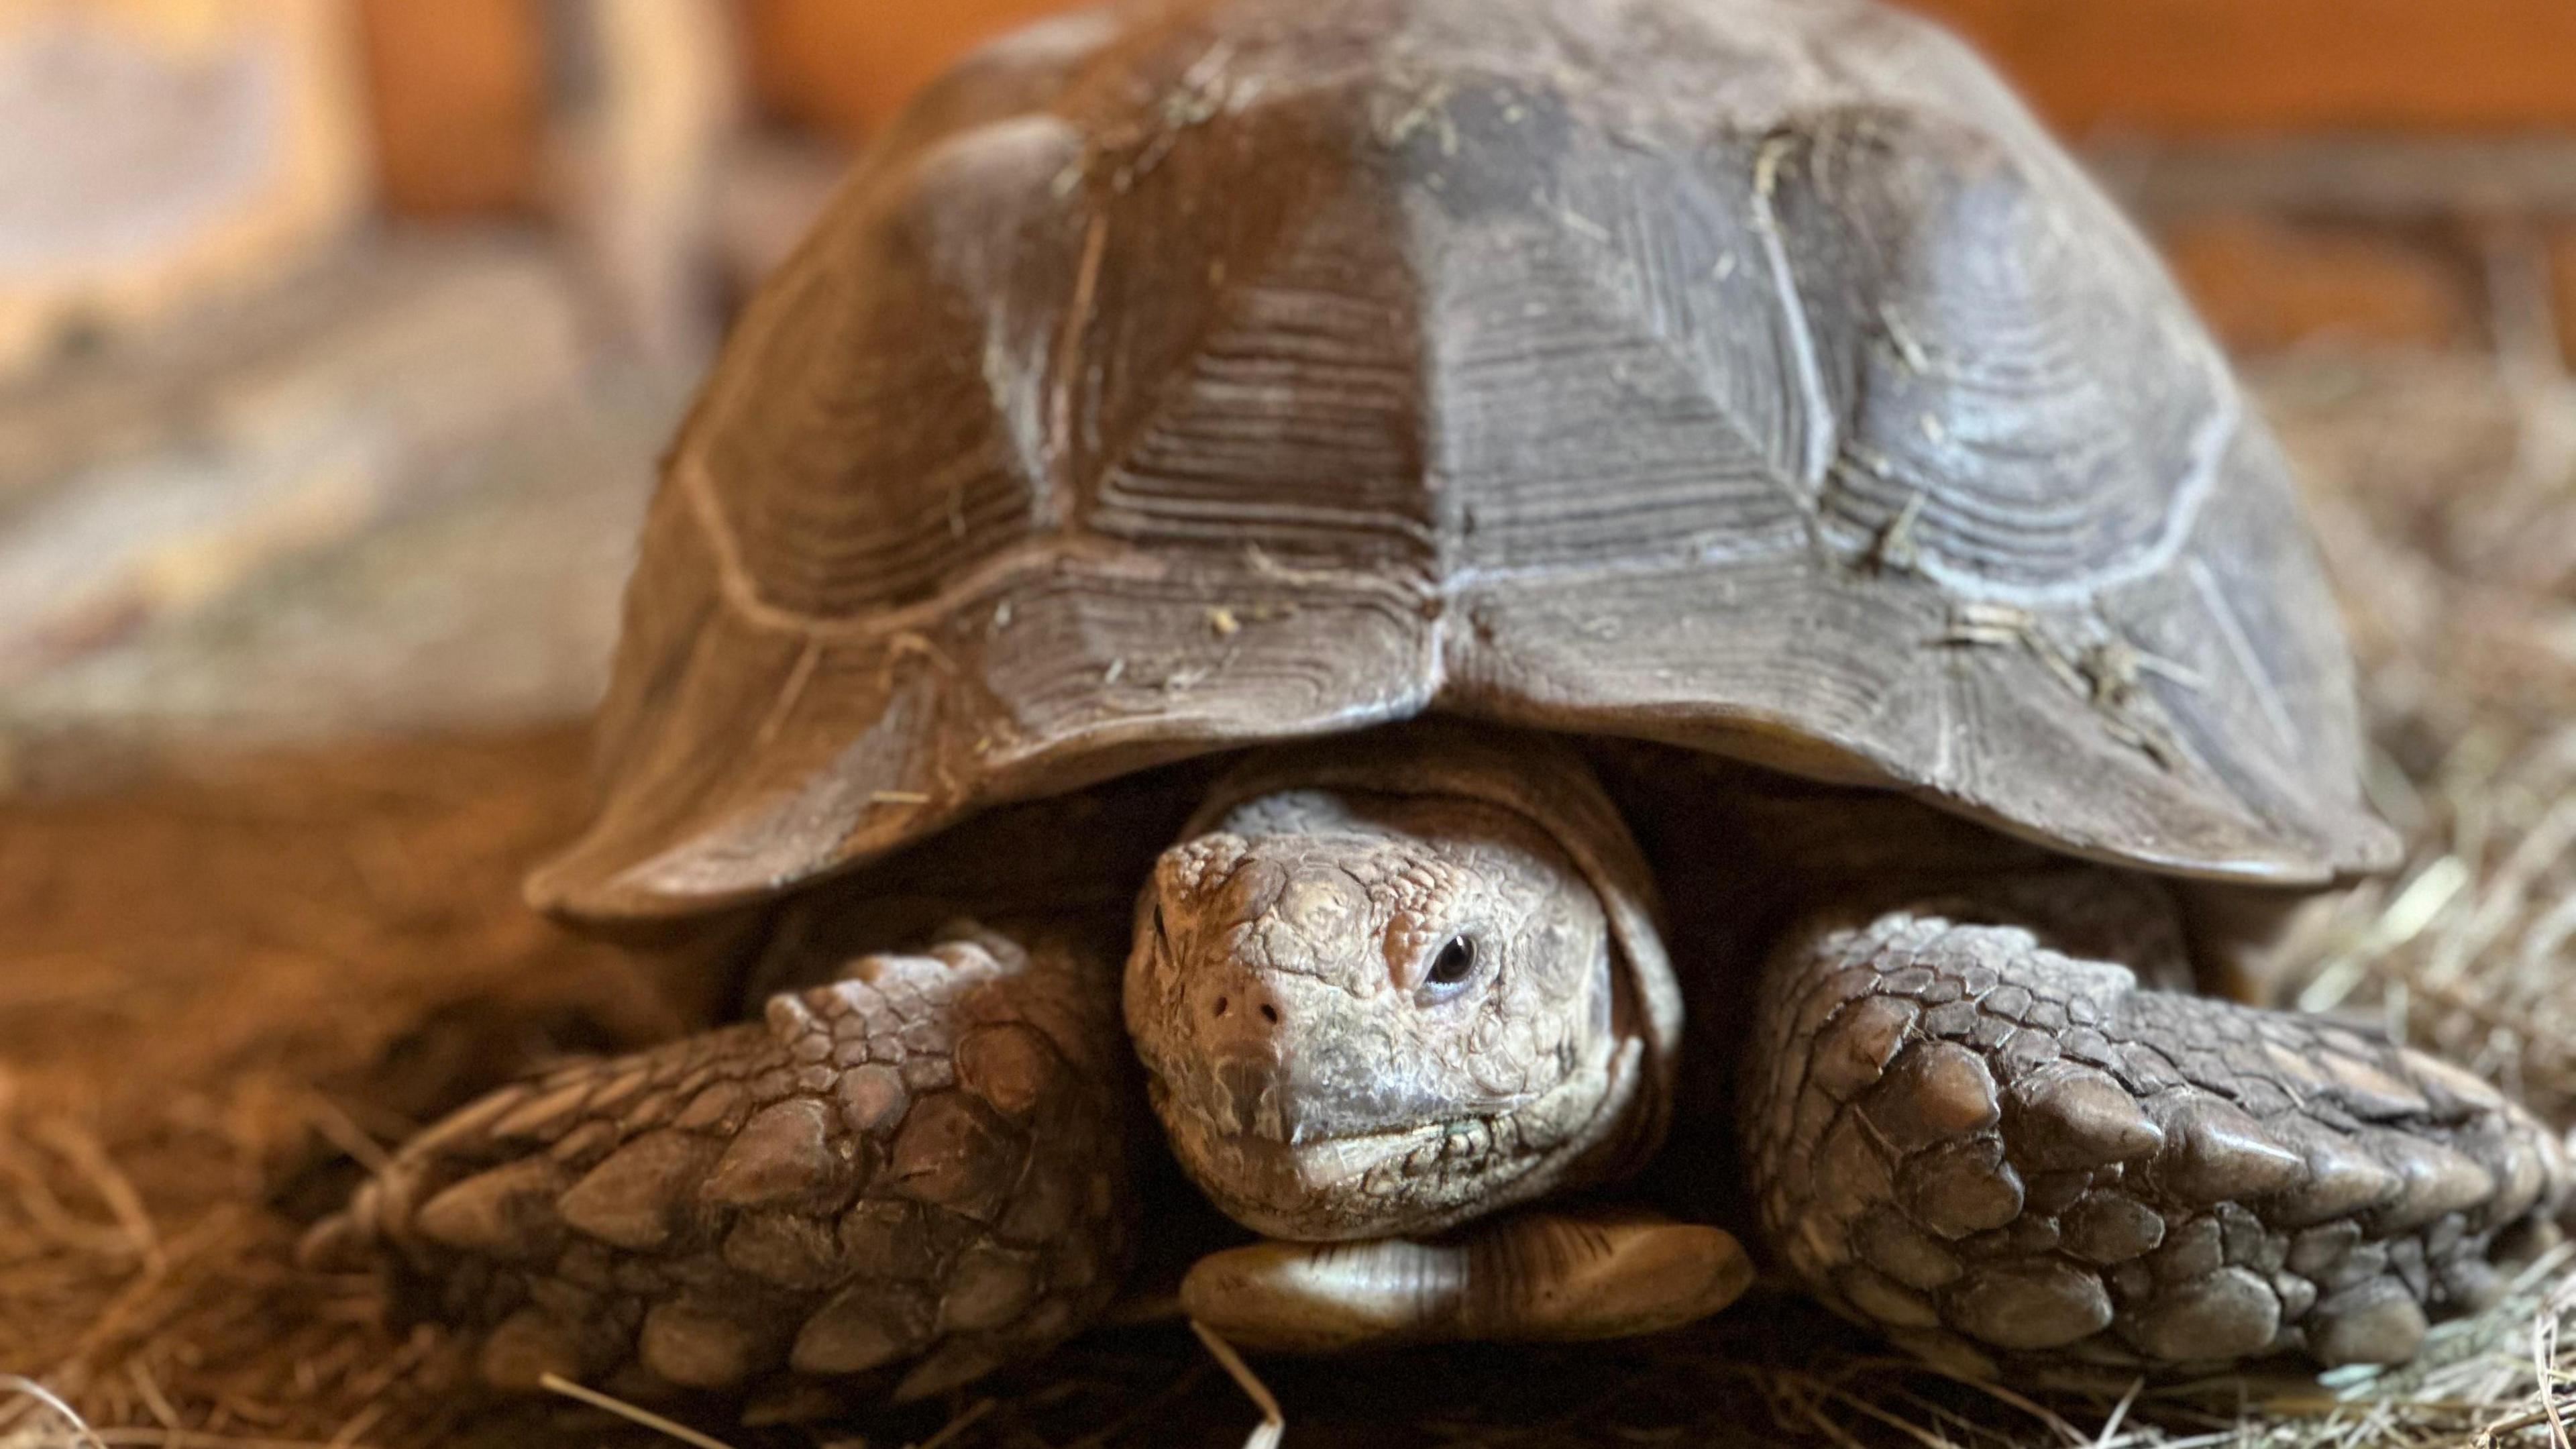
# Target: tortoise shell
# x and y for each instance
(1753, 375)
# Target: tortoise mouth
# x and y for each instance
(1323, 1162)
(1373, 1184)
(1416, 1178)
(1320, 1163)
(1483, 1121)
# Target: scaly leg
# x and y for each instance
(915, 1172)
(1986, 1147)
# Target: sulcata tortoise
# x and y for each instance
(1575, 620)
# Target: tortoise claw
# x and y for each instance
(913, 1173)
(1986, 1147)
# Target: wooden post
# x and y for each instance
(457, 90)
(646, 105)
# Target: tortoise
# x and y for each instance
(1541, 627)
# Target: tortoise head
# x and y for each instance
(1366, 1014)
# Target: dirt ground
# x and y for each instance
(225, 983)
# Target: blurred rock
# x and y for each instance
(397, 495)
(162, 150)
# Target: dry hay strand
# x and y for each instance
(2448, 508)
(187, 971)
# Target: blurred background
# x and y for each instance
(337, 342)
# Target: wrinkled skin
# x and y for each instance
(1369, 1015)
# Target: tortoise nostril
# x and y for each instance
(1248, 1011)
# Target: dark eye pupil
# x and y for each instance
(1456, 962)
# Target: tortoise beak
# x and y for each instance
(1255, 1099)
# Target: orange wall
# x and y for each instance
(2168, 65)
(459, 84)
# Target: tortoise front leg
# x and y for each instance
(912, 1173)
(1969, 1139)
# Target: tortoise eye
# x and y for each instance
(1455, 964)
